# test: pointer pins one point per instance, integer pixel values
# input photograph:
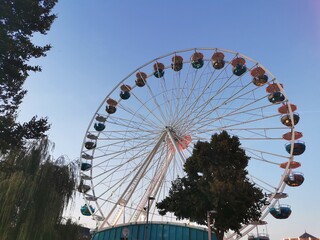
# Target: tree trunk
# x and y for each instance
(219, 234)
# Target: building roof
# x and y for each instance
(307, 235)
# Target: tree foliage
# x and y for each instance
(216, 179)
(19, 21)
(71, 230)
(35, 194)
(34, 189)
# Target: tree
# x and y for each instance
(19, 21)
(34, 195)
(71, 230)
(216, 179)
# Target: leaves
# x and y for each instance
(19, 21)
(35, 193)
(14, 135)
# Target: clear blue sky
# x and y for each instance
(98, 43)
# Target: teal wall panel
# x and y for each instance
(155, 231)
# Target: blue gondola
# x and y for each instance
(198, 63)
(99, 126)
(158, 70)
(260, 236)
(159, 73)
(85, 166)
(85, 210)
(197, 60)
(238, 70)
(298, 148)
(280, 212)
(276, 97)
(124, 95)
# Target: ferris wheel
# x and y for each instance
(144, 130)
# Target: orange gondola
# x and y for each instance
(86, 156)
(259, 76)
(278, 195)
(111, 108)
(258, 71)
(112, 102)
(286, 119)
(100, 118)
(141, 79)
(218, 60)
(177, 63)
(294, 179)
(292, 164)
(295, 135)
(285, 108)
(274, 87)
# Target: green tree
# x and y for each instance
(216, 179)
(35, 194)
(19, 21)
(71, 230)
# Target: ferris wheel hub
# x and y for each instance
(176, 140)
